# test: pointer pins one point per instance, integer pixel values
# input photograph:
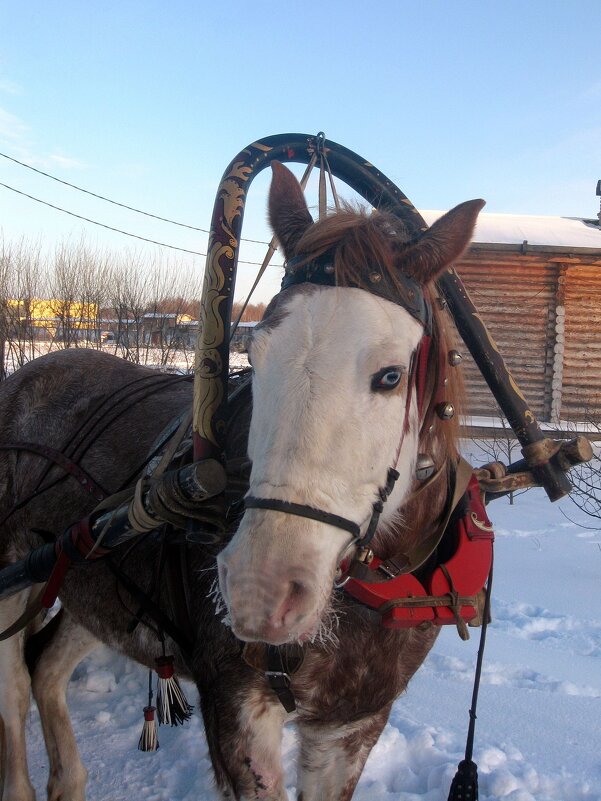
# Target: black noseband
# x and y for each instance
(301, 510)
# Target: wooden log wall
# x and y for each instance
(543, 308)
(580, 289)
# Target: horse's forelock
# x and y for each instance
(357, 239)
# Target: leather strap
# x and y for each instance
(154, 611)
(68, 465)
(426, 547)
(279, 663)
(31, 611)
(300, 510)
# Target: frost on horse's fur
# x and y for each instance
(319, 434)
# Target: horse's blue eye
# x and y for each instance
(388, 378)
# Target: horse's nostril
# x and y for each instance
(296, 588)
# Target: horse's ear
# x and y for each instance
(441, 245)
(288, 212)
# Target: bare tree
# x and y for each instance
(586, 478)
(148, 304)
(127, 300)
(252, 313)
(5, 276)
(501, 446)
(172, 288)
(64, 289)
(20, 273)
(94, 274)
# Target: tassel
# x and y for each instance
(172, 706)
(148, 739)
(465, 784)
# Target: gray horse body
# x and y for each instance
(343, 690)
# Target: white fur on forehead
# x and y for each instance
(313, 374)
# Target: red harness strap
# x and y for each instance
(76, 545)
(450, 593)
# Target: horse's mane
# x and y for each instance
(358, 239)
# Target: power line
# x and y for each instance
(118, 230)
(116, 203)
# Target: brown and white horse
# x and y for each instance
(337, 408)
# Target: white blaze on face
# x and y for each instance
(322, 436)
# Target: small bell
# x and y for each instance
(455, 358)
(445, 410)
(424, 466)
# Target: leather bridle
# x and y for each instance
(318, 272)
(310, 512)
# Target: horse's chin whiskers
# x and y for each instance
(219, 603)
(211, 569)
(326, 635)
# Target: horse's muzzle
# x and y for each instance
(269, 605)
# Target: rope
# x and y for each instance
(332, 184)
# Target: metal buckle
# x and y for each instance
(273, 674)
(388, 572)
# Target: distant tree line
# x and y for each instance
(143, 309)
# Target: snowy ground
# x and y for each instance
(538, 736)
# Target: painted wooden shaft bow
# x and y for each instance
(212, 351)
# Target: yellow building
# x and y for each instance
(41, 313)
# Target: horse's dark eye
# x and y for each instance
(387, 378)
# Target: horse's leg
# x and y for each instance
(51, 674)
(333, 756)
(15, 693)
(244, 732)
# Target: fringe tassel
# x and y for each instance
(148, 739)
(465, 784)
(172, 705)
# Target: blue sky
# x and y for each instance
(147, 102)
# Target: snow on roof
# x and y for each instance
(514, 229)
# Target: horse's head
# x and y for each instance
(334, 403)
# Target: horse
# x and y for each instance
(332, 420)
